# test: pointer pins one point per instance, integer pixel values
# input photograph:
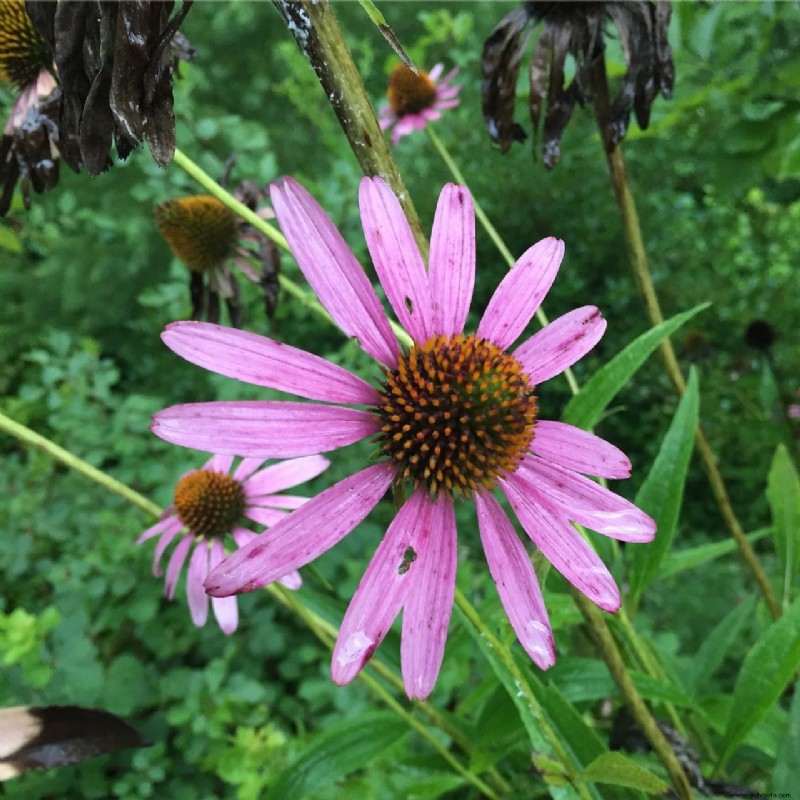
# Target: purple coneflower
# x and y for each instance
(454, 417)
(415, 99)
(209, 503)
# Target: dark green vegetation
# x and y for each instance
(88, 284)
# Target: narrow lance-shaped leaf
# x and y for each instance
(783, 494)
(380, 23)
(787, 764)
(619, 770)
(765, 673)
(587, 407)
(661, 494)
(339, 750)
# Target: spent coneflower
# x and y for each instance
(417, 98)
(29, 151)
(208, 238)
(210, 504)
(454, 416)
(115, 64)
(577, 30)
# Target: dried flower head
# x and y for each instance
(208, 238)
(576, 29)
(29, 148)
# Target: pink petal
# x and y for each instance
(575, 448)
(278, 477)
(163, 543)
(255, 359)
(426, 613)
(218, 463)
(559, 345)
(452, 259)
(396, 257)
(332, 270)
(516, 581)
(562, 545)
(303, 535)
(175, 563)
(195, 575)
(287, 501)
(291, 581)
(246, 468)
(264, 516)
(263, 429)
(164, 524)
(383, 588)
(521, 292)
(586, 502)
(436, 72)
(226, 609)
(241, 536)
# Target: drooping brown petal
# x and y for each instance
(270, 259)
(500, 63)
(537, 74)
(54, 736)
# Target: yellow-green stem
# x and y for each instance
(641, 269)
(491, 231)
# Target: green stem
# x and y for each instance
(641, 269)
(521, 682)
(492, 233)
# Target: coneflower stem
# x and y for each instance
(641, 270)
(491, 232)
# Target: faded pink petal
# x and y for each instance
(195, 575)
(303, 535)
(255, 359)
(452, 259)
(226, 609)
(165, 523)
(242, 536)
(426, 613)
(332, 270)
(383, 588)
(562, 545)
(579, 450)
(291, 581)
(287, 501)
(247, 466)
(396, 257)
(265, 429)
(559, 345)
(170, 532)
(264, 516)
(285, 474)
(586, 502)
(175, 564)
(521, 292)
(219, 463)
(516, 581)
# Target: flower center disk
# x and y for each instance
(22, 50)
(200, 230)
(409, 93)
(209, 503)
(457, 414)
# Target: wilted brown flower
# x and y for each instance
(114, 62)
(208, 237)
(576, 29)
(29, 147)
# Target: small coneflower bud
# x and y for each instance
(209, 503)
(200, 230)
(22, 50)
(410, 93)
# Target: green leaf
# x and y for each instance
(765, 673)
(620, 770)
(787, 765)
(715, 646)
(783, 494)
(9, 240)
(677, 562)
(586, 408)
(339, 750)
(661, 494)
(380, 23)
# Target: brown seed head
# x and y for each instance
(209, 503)
(200, 230)
(457, 414)
(409, 93)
